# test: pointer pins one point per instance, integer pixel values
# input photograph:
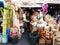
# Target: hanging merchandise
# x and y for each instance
(14, 31)
(45, 8)
(40, 14)
(24, 17)
(21, 23)
(16, 19)
(16, 22)
(7, 17)
(14, 35)
(1, 4)
(4, 29)
(4, 22)
(3, 38)
(8, 32)
(22, 26)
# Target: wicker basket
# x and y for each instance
(41, 41)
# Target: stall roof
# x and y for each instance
(38, 3)
(30, 5)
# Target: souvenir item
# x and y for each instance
(7, 17)
(4, 39)
(1, 4)
(41, 41)
(45, 8)
(14, 31)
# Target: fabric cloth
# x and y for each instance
(45, 8)
(16, 21)
(1, 4)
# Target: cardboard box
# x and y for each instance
(41, 41)
(48, 41)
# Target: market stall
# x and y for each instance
(39, 19)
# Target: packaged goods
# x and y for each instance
(34, 18)
(55, 28)
(8, 25)
(34, 28)
(16, 21)
(9, 21)
(21, 23)
(34, 23)
(4, 39)
(6, 15)
(47, 18)
(15, 32)
(47, 35)
(48, 41)
(19, 35)
(4, 29)
(8, 32)
(41, 41)
(42, 33)
(47, 28)
(58, 39)
(4, 21)
(1, 4)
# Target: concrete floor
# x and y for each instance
(23, 41)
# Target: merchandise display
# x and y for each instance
(4, 39)
(38, 22)
(7, 19)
